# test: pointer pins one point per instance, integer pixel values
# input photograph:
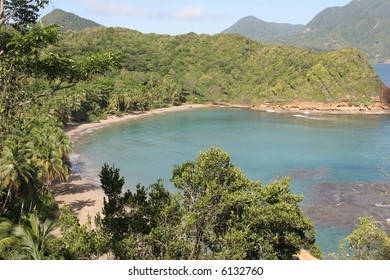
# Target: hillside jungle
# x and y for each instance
(49, 79)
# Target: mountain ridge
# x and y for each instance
(68, 21)
(363, 24)
(259, 29)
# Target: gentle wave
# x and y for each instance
(311, 118)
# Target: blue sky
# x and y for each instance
(184, 16)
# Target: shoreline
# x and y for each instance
(313, 108)
(74, 131)
(326, 108)
(85, 197)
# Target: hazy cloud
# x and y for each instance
(115, 8)
(192, 12)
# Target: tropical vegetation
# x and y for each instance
(162, 70)
(48, 79)
(33, 84)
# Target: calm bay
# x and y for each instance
(336, 161)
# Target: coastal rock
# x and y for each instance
(386, 94)
(332, 108)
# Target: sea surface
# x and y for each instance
(337, 162)
(383, 71)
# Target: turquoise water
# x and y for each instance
(311, 149)
(383, 71)
(264, 145)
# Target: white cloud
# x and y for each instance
(114, 8)
(121, 8)
(192, 12)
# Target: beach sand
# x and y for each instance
(83, 197)
(86, 197)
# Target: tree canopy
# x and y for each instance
(33, 81)
(228, 67)
(48, 79)
(218, 214)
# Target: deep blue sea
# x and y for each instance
(314, 150)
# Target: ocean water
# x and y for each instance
(383, 71)
(264, 145)
(312, 150)
(324, 155)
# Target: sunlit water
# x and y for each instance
(311, 149)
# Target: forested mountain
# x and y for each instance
(162, 69)
(257, 29)
(363, 24)
(48, 79)
(67, 21)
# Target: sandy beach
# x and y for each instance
(86, 197)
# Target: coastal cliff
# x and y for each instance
(385, 94)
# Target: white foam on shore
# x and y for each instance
(382, 205)
(310, 118)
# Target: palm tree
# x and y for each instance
(27, 241)
(6, 239)
(34, 237)
(52, 166)
(15, 172)
(51, 146)
(41, 160)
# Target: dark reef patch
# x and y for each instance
(341, 204)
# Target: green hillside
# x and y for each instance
(257, 29)
(362, 24)
(159, 70)
(68, 21)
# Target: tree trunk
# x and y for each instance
(2, 15)
(21, 211)
(4, 208)
(1, 9)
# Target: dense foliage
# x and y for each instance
(218, 214)
(369, 241)
(33, 146)
(161, 70)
